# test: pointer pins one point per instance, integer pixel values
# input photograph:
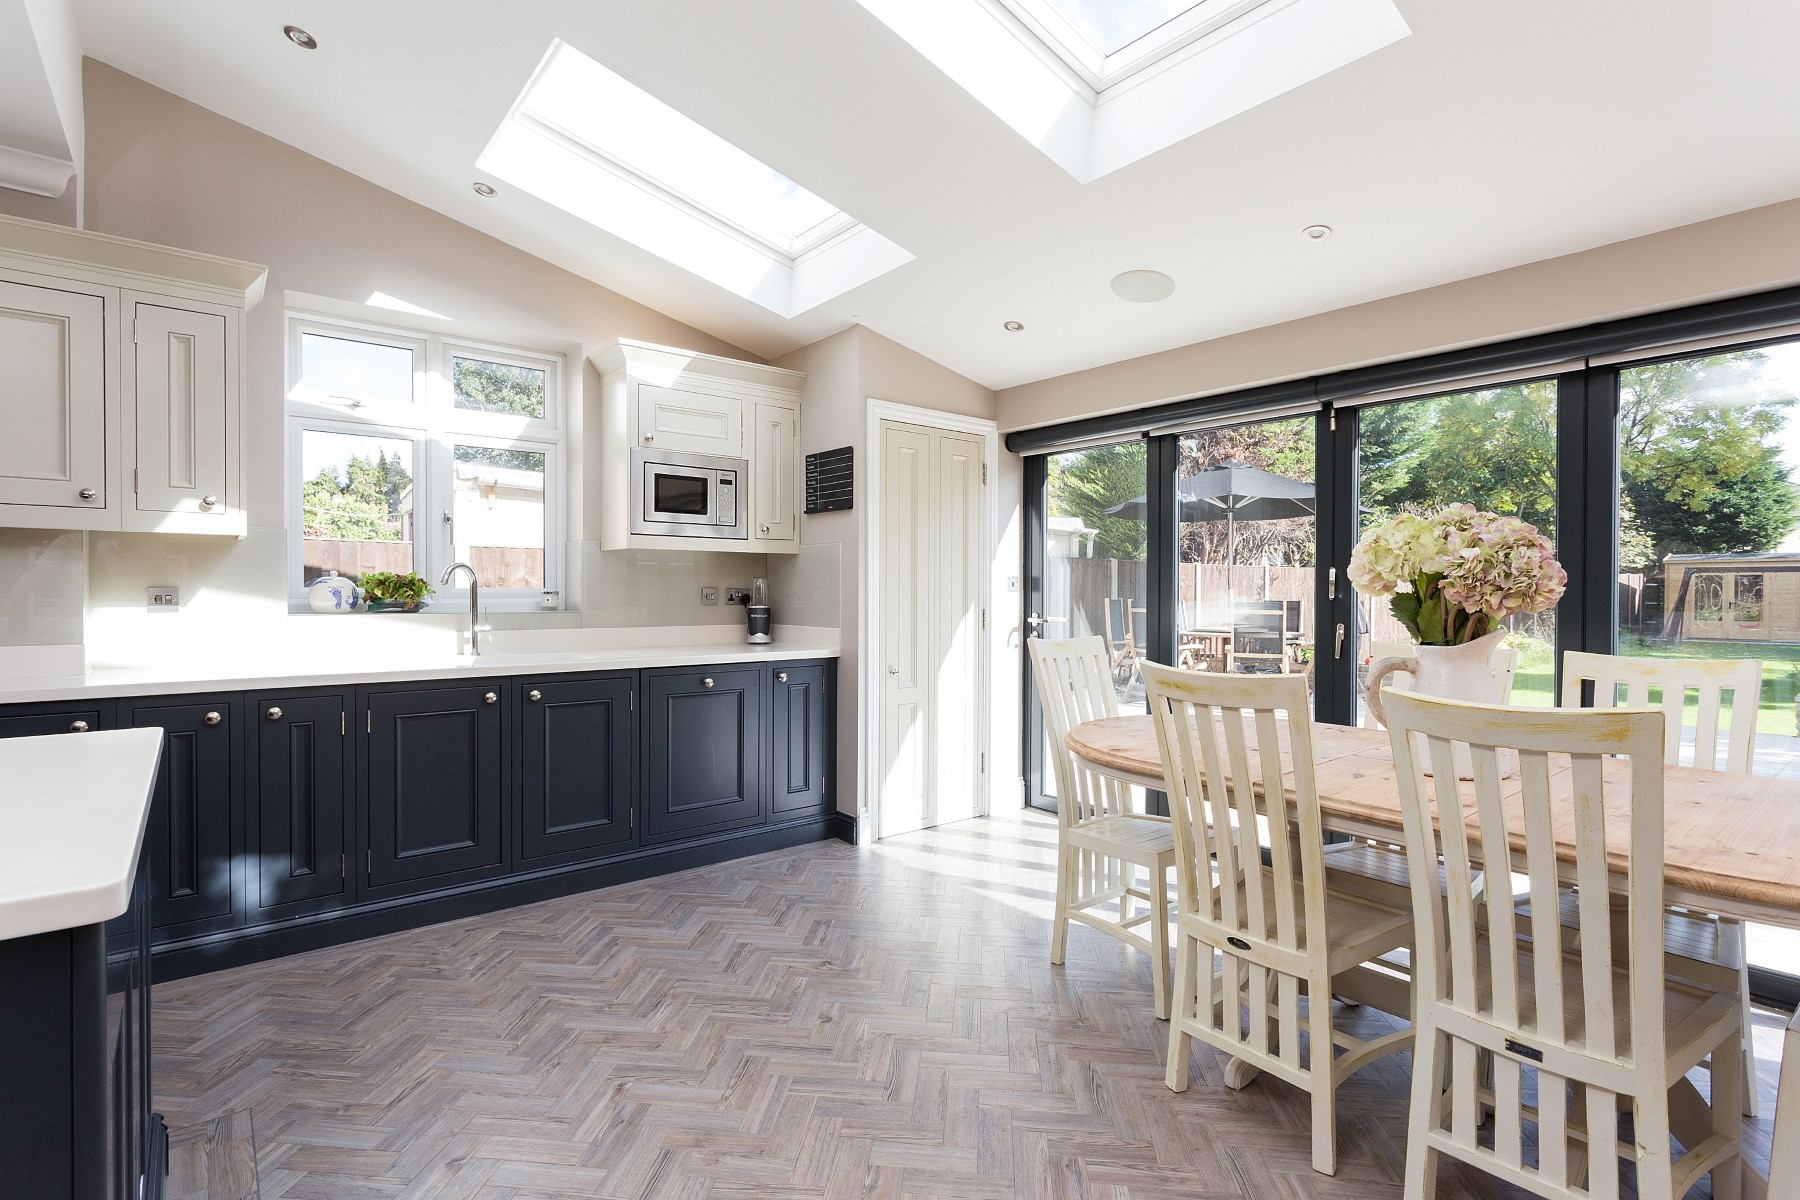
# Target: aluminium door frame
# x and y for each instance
(868, 723)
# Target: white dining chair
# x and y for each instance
(1103, 841)
(1725, 695)
(1572, 1037)
(1784, 1155)
(1280, 931)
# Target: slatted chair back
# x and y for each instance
(1476, 991)
(1725, 694)
(1075, 684)
(1223, 738)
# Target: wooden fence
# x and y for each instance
(497, 566)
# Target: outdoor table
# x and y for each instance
(1731, 847)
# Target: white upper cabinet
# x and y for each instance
(775, 474)
(124, 404)
(656, 398)
(54, 404)
(690, 421)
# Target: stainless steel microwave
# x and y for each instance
(688, 495)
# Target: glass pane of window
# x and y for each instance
(1494, 448)
(495, 387)
(1709, 545)
(619, 120)
(356, 504)
(1109, 26)
(345, 368)
(1094, 583)
(498, 511)
(1248, 548)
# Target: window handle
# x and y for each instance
(1331, 584)
(450, 524)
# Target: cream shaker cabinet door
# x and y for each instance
(53, 402)
(180, 423)
(774, 462)
(690, 422)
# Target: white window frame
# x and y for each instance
(433, 424)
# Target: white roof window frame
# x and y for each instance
(787, 275)
(1190, 74)
(1098, 70)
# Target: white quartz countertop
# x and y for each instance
(260, 664)
(72, 814)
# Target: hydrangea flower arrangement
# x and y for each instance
(1454, 576)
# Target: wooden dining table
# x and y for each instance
(1731, 847)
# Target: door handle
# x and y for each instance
(1331, 584)
(492, 697)
(1337, 650)
(208, 501)
(213, 718)
(534, 694)
(1034, 620)
(78, 726)
(893, 670)
(707, 682)
(274, 713)
(781, 678)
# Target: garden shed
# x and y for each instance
(1733, 597)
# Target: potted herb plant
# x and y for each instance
(389, 591)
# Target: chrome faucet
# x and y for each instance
(474, 604)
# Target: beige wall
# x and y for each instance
(164, 170)
(1739, 254)
(58, 210)
(843, 373)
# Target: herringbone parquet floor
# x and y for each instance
(817, 1023)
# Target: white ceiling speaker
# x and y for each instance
(1143, 287)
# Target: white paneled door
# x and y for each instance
(931, 580)
(53, 402)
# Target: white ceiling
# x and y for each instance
(1496, 134)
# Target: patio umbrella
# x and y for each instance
(1233, 491)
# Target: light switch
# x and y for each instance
(164, 599)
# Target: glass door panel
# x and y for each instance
(1246, 510)
(1709, 544)
(1494, 448)
(1091, 578)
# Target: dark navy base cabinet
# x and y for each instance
(295, 819)
(76, 1121)
(577, 785)
(434, 796)
(801, 767)
(703, 735)
(299, 809)
(195, 835)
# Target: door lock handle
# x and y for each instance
(1338, 648)
(1331, 583)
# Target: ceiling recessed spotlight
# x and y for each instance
(1143, 287)
(300, 37)
(483, 189)
(1014, 327)
(1316, 233)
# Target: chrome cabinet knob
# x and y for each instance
(648, 438)
(534, 694)
(762, 529)
(88, 493)
(707, 682)
(78, 726)
(781, 678)
(213, 718)
(208, 501)
(893, 670)
(274, 713)
(492, 697)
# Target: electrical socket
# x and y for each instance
(709, 595)
(737, 595)
(163, 599)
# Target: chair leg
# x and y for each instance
(1728, 1118)
(1324, 1082)
(1159, 940)
(1065, 884)
(1732, 933)
(1655, 1167)
(1187, 995)
(1424, 1113)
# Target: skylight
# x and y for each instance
(1098, 84)
(1104, 41)
(591, 142)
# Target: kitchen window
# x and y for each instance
(410, 450)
